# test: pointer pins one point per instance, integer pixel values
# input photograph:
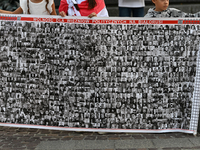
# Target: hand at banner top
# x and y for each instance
(92, 15)
(62, 14)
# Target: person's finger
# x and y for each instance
(62, 13)
(89, 16)
(92, 15)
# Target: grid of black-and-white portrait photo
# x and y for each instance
(194, 122)
(97, 75)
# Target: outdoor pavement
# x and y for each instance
(12, 138)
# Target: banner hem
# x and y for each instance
(99, 129)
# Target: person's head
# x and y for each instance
(161, 5)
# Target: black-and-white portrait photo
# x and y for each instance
(115, 76)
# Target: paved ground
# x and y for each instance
(40, 139)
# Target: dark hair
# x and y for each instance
(46, 6)
(91, 3)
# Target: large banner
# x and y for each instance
(100, 74)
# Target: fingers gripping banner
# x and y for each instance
(99, 75)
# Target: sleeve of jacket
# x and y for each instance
(63, 6)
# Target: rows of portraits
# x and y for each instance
(97, 75)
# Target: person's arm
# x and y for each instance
(99, 10)
(62, 14)
(63, 8)
(92, 15)
(53, 9)
(17, 11)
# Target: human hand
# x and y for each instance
(62, 14)
(92, 15)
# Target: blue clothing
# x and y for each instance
(126, 12)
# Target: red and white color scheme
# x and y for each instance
(68, 7)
